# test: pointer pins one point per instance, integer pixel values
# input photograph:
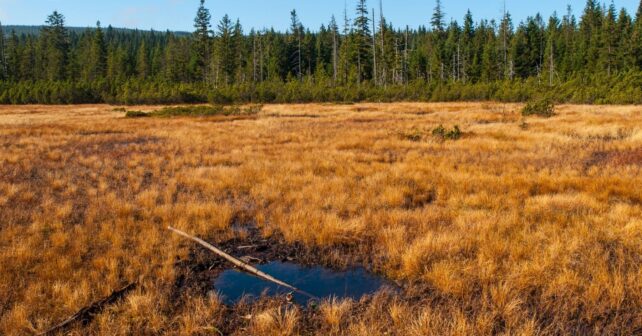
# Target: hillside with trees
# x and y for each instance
(594, 58)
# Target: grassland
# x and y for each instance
(519, 227)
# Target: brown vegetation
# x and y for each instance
(518, 227)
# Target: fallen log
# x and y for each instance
(240, 264)
(87, 313)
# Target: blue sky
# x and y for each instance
(178, 14)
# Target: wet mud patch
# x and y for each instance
(114, 147)
(101, 132)
(224, 119)
(337, 271)
(322, 272)
(294, 115)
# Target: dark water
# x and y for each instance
(321, 282)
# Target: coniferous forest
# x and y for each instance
(360, 56)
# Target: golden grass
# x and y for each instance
(517, 228)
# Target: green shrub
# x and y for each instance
(207, 111)
(136, 114)
(445, 134)
(542, 107)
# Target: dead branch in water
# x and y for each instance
(87, 313)
(240, 264)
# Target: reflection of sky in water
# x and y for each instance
(318, 281)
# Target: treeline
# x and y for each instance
(594, 59)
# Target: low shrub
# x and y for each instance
(541, 107)
(445, 134)
(207, 110)
(137, 114)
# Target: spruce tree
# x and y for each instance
(624, 52)
(552, 51)
(636, 39)
(13, 57)
(590, 26)
(505, 36)
(466, 49)
(362, 36)
(98, 55)
(608, 41)
(202, 41)
(294, 45)
(225, 50)
(3, 55)
(56, 41)
(437, 21)
(334, 31)
(142, 61)
(437, 66)
(237, 51)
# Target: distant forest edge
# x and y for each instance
(594, 59)
(36, 30)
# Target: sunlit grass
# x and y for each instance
(508, 229)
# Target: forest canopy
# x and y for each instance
(594, 58)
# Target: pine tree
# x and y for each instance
(202, 41)
(56, 41)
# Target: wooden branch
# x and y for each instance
(240, 264)
(88, 312)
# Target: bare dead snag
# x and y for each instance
(87, 313)
(240, 264)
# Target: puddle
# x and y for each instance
(321, 282)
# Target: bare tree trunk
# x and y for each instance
(254, 62)
(300, 71)
(382, 33)
(261, 57)
(334, 55)
(405, 59)
(551, 65)
(505, 49)
(374, 49)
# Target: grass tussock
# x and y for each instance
(543, 107)
(510, 230)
